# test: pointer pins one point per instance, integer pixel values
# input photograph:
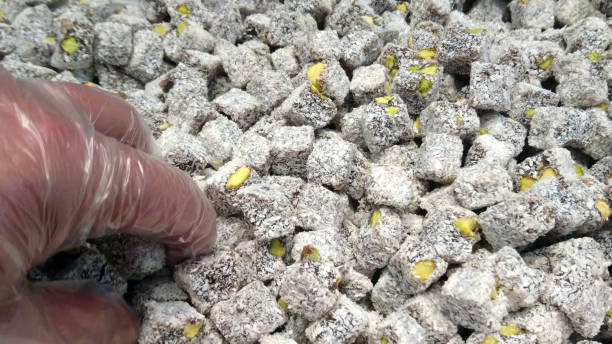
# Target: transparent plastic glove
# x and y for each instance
(74, 164)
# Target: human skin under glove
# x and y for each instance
(75, 164)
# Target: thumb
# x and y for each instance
(67, 313)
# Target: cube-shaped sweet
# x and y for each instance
(230, 231)
(112, 43)
(380, 236)
(147, 56)
(561, 126)
(583, 298)
(207, 63)
(290, 148)
(109, 78)
(491, 86)
(355, 285)
(75, 33)
(351, 15)
(210, 279)
(262, 259)
(460, 47)
(439, 158)
(532, 14)
(517, 222)
(568, 12)
(547, 323)
(189, 109)
(304, 106)
(267, 208)
(241, 107)
(368, 83)
(438, 198)
(482, 185)
(504, 129)
(324, 45)
(332, 245)
(188, 36)
(427, 310)
(254, 150)
(343, 324)
(388, 294)
(223, 186)
(526, 97)
(576, 65)
(391, 186)
(93, 265)
(451, 232)
(404, 155)
(240, 63)
(220, 137)
(284, 60)
(30, 26)
(330, 163)
(134, 257)
(443, 117)
(428, 10)
(417, 82)
(487, 149)
(582, 254)
(270, 88)
(319, 208)
(283, 27)
(384, 122)
(425, 36)
(520, 284)
(587, 35)
(250, 314)
(182, 150)
(398, 328)
(292, 186)
(171, 322)
(583, 92)
(573, 204)
(467, 297)
(416, 266)
(155, 288)
(360, 48)
(329, 79)
(308, 286)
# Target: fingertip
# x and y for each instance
(83, 311)
(71, 312)
(201, 240)
(111, 115)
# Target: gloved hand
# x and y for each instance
(74, 164)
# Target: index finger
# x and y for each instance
(110, 115)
